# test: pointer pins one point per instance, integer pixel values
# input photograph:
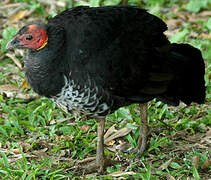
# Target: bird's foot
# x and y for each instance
(90, 165)
(140, 148)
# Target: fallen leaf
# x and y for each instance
(84, 128)
(196, 161)
(15, 60)
(69, 138)
(165, 165)
(59, 121)
(7, 2)
(41, 153)
(205, 36)
(206, 164)
(110, 143)
(3, 150)
(192, 18)
(16, 151)
(171, 33)
(110, 131)
(172, 23)
(14, 94)
(207, 138)
(193, 34)
(120, 133)
(121, 173)
(208, 133)
(18, 16)
(88, 176)
(25, 146)
(205, 13)
(8, 87)
(15, 158)
(123, 147)
(169, 177)
(88, 159)
(25, 85)
(61, 4)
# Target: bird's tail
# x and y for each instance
(189, 68)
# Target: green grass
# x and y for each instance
(36, 142)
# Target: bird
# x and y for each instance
(94, 60)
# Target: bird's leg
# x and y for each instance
(142, 140)
(101, 162)
(100, 159)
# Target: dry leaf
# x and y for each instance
(60, 137)
(18, 16)
(208, 133)
(88, 159)
(110, 143)
(88, 176)
(173, 23)
(7, 2)
(165, 165)
(15, 158)
(16, 151)
(10, 94)
(8, 87)
(59, 121)
(207, 138)
(196, 161)
(3, 150)
(110, 131)
(69, 138)
(206, 164)
(120, 133)
(61, 4)
(15, 60)
(24, 84)
(205, 36)
(193, 34)
(84, 128)
(41, 153)
(121, 173)
(205, 13)
(169, 177)
(171, 33)
(25, 146)
(123, 146)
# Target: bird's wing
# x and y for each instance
(116, 47)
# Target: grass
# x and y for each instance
(40, 141)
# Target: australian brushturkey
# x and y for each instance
(95, 60)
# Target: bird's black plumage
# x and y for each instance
(99, 59)
(120, 51)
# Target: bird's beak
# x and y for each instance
(14, 43)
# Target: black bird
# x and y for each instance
(94, 60)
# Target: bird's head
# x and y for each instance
(32, 36)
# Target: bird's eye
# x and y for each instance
(28, 37)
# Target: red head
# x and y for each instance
(32, 36)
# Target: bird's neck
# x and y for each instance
(44, 72)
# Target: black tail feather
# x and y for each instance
(189, 68)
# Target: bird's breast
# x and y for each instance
(85, 99)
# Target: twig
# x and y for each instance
(12, 5)
(14, 11)
(57, 3)
(2, 57)
(60, 121)
(15, 60)
(20, 96)
(86, 160)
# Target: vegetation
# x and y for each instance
(40, 141)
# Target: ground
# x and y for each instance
(40, 141)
